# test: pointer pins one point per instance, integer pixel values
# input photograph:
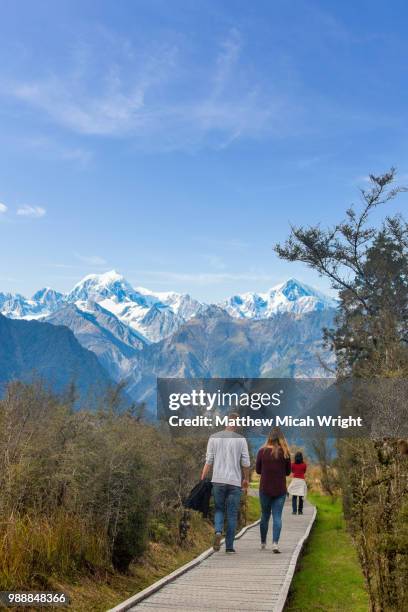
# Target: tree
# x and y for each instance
(369, 268)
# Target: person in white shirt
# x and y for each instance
(228, 455)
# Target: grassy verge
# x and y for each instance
(330, 578)
(98, 595)
(253, 509)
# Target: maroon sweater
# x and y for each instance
(273, 471)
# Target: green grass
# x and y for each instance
(253, 509)
(329, 577)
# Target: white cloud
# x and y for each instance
(52, 149)
(62, 266)
(228, 244)
(204, 278)
(91, 260)
(35, 212)
(155, 98)
(226, 60)
(3, 208)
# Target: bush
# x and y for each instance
(78, 490)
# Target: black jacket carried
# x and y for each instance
(199, 497)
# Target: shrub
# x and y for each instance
(79, 489)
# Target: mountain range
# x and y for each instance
(138, 334)
(156, 315)
(32, 350)
(153, 315)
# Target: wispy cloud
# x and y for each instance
(105, 99)
(215, 262)
(61, 266)
(51, 149)
(306, 162)
(227, 59)
(204, 278)
(227, 244)
(91, 260)
(8, 279)
(3, 208)
(35, 212)
(135, 95)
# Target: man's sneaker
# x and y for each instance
(230, 551)
(300, 512)
(263, 545)
(217, 542)
(275, 548)
(294, 512)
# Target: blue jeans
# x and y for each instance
(274, 505)
(226, 498)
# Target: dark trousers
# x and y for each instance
(294, 503)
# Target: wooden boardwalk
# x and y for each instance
(250, 580)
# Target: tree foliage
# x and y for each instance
(368, 265)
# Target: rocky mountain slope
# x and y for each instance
(214, 344)
(32, 350)
(138, 334)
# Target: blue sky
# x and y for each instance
(177, 141)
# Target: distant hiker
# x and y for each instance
(273, 464)
(298, 487)
(228, 455)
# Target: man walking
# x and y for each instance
(228, 455)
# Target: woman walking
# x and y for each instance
(273, 464)
(298, 487)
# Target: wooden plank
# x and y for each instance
(132, 601)
(283, 595)
(250, 580)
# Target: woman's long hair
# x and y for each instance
(276, 441)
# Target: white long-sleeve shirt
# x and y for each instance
(227, 452)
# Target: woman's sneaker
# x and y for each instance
(217, 542)
(275, 548)
(263, 545)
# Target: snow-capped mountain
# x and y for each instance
(42, 303)
(14, 306)
(99, 287)
(181, 304)
(290, 297)
(48, 299)
(138, 334)
(158, 315)
(154, 315)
